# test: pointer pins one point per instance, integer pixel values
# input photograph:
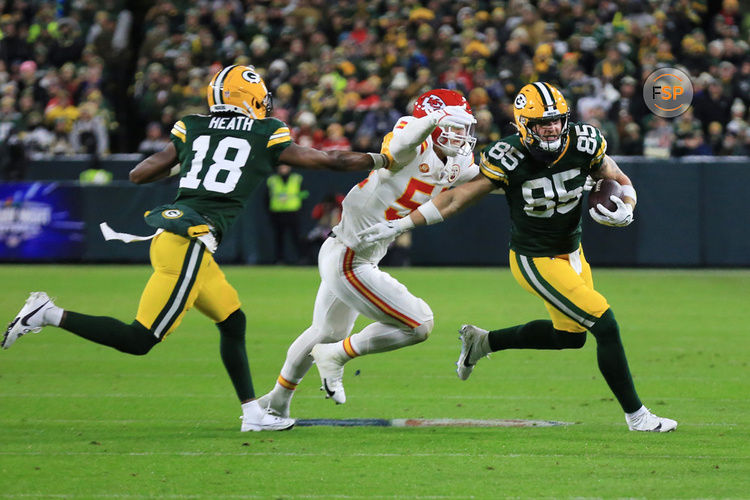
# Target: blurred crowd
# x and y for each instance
(98, 78)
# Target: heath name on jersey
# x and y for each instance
(545, 198)
(222, 160)
(387, 195)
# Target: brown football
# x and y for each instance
(602, 190)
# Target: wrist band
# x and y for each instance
(404, 223)
(629, 191)
(378, 160)
(430, 212)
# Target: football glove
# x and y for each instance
(385, 230)
(621, 217)
(453, 116)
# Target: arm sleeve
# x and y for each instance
(408, 134)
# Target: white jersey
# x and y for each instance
(386, 195)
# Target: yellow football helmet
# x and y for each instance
(539, 103)
(239, 89)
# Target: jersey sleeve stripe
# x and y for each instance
(279, 131)
(278, 136)
(280, 140)
(596, 161)
(179, 134)
(492, 172)
(385, 148)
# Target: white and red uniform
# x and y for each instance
(348, 266)
(351, 282)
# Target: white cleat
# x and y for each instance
(648, 422)
(331, 372)
(30, 319)
(471, 349)
(256, 418)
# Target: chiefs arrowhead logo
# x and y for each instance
(433, 103)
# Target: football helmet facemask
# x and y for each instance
(451, 140)
(539, 103)
(239, 89)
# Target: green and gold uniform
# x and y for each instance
(545, 209)
(223, 158)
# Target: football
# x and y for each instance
(602, 190)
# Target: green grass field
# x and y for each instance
(83, 421)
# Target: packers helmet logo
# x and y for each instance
(520, 101)
(172, 213)
(251, 76)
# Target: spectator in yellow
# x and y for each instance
(61, 107)
(284, 201)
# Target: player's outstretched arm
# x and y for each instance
(155, 167)
(314, 159)
(436, 210)
(406, 140)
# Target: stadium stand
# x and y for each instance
(122, 67)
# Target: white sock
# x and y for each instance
(53, 316)
(279, 399)
(379, 337)
(637, 413)
(298, 360)
(484, 345)
(250, 408)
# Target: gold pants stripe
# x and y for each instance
(569, 297)
(185, 275)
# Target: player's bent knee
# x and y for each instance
(141, 340)
(606, 329)
(233, 326)
(423, 331)
(571, 340)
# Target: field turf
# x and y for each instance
(82, 421)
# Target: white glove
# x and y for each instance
(385, 230)
(621, 217)
(589, 184)
(453, 116)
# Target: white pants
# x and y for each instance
(351, 286)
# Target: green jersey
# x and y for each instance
(223, 157)
(544, 198)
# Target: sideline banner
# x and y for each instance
(41, 222)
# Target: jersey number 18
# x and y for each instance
(221, 162)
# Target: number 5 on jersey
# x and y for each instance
(406, 199)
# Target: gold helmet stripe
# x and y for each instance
(545, 94)
(219, 84)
